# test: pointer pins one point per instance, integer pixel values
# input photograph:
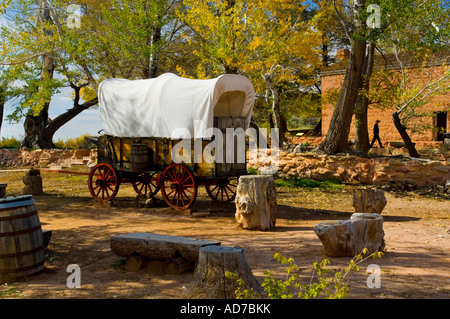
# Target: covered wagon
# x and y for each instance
(153, 130)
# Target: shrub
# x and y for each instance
(10, 143)
(74, 143)
(331, 286)
(309, 183)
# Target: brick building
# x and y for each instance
(437, 120)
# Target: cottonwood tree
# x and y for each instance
(269, 41)
(112, 39)
(33, 48)
(336, 139)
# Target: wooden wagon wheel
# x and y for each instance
(178, 186)
(224, 191)
(146, 185)
(103, 182)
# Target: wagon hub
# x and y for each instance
(223, 182)
(175, 186)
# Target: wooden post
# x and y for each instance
(33, 183)
(3, 189)
(256, 202)
(209, 281)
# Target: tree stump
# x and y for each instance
(33, 183)
(3, 189)
(256, 202)
(209, 281)
(370, 201)
(347, 238)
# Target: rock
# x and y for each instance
(347, 238)
(300, 148)
(369, 201)
(395, 162)
(441, 168)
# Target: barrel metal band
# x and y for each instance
(23, 253)
(8, 271)
(20, 232)
(16, 204)
(12, 217)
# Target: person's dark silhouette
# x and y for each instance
(376, 134)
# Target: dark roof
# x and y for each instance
(389, 61)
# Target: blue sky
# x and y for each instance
(87, 122)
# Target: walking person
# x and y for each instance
(376, 134)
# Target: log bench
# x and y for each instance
(158, 254)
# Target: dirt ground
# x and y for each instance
(415, 264)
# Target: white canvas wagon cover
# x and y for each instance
(162, 106)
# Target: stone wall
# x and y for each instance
(46, 158)
(353, 169)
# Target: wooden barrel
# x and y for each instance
(139, 157)
(21, 241)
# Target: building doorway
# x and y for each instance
(440, 122)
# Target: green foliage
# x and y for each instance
(252, 171)
(119, 263)
(77, 143)
(323, 282)
(9, 143)
(309, 183)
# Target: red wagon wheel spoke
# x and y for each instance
(224, 191)
(103, 182)
(145, 185)
(178, 186)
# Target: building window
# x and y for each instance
(440, 123)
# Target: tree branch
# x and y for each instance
(344, 24)
(421, 91)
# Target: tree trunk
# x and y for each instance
(34, 127)
(62, 119)
(256, 202)
(274, 101)
(405, 136)
(337, 137)
(150, 69)
(35, 124)
(2, 106)
(317, 130)
(362, 104)
(324, 51)
(209, 281)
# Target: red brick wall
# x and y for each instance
(388, 132)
